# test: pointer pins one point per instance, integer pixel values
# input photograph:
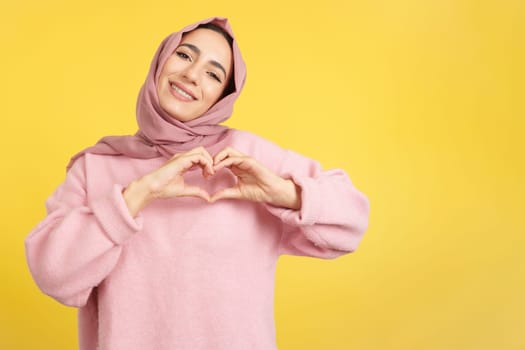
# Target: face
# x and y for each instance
(195, 75)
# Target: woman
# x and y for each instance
(169, 239)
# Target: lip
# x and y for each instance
(179, 96)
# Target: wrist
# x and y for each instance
(137, 196)
(290, 195)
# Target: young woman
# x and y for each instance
(169, 238)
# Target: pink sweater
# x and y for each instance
(184, 274)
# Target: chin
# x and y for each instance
(181, 117)
(178, 117)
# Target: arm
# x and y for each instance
(333, 215)
(79, 242)
(322, 213)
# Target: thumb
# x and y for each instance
(227, 193)
(193, 191)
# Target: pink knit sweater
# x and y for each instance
(184, 274)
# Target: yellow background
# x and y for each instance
(421, 102)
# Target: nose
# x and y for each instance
(191, 73)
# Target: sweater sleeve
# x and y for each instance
(333, 216)
(79, 241)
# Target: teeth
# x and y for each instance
(182, 92)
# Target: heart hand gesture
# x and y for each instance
(254, 181)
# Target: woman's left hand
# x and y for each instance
(255, 182)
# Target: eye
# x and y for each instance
(215, 76)
(183, 55)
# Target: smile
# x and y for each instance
(182, 92)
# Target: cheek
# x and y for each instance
(173, 64)
(213, 92)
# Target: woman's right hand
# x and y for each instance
(168, 181)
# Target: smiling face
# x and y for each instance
(195, 75)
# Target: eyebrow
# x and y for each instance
(198, 51)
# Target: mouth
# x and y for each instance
(182, 92)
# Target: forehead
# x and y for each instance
(212, 45)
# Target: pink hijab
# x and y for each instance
(160, 134)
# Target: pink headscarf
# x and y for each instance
(160, 134)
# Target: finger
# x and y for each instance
(242, 163)
(227, 193)
(197, 159)
(209, 168)
(191, 154)
(225, 153)
(193, 191)
(198, 149)
(203, 152)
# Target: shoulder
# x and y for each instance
(104, 168)
(258, 147)
(248, 139)
(88, 162)
(271, 154)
